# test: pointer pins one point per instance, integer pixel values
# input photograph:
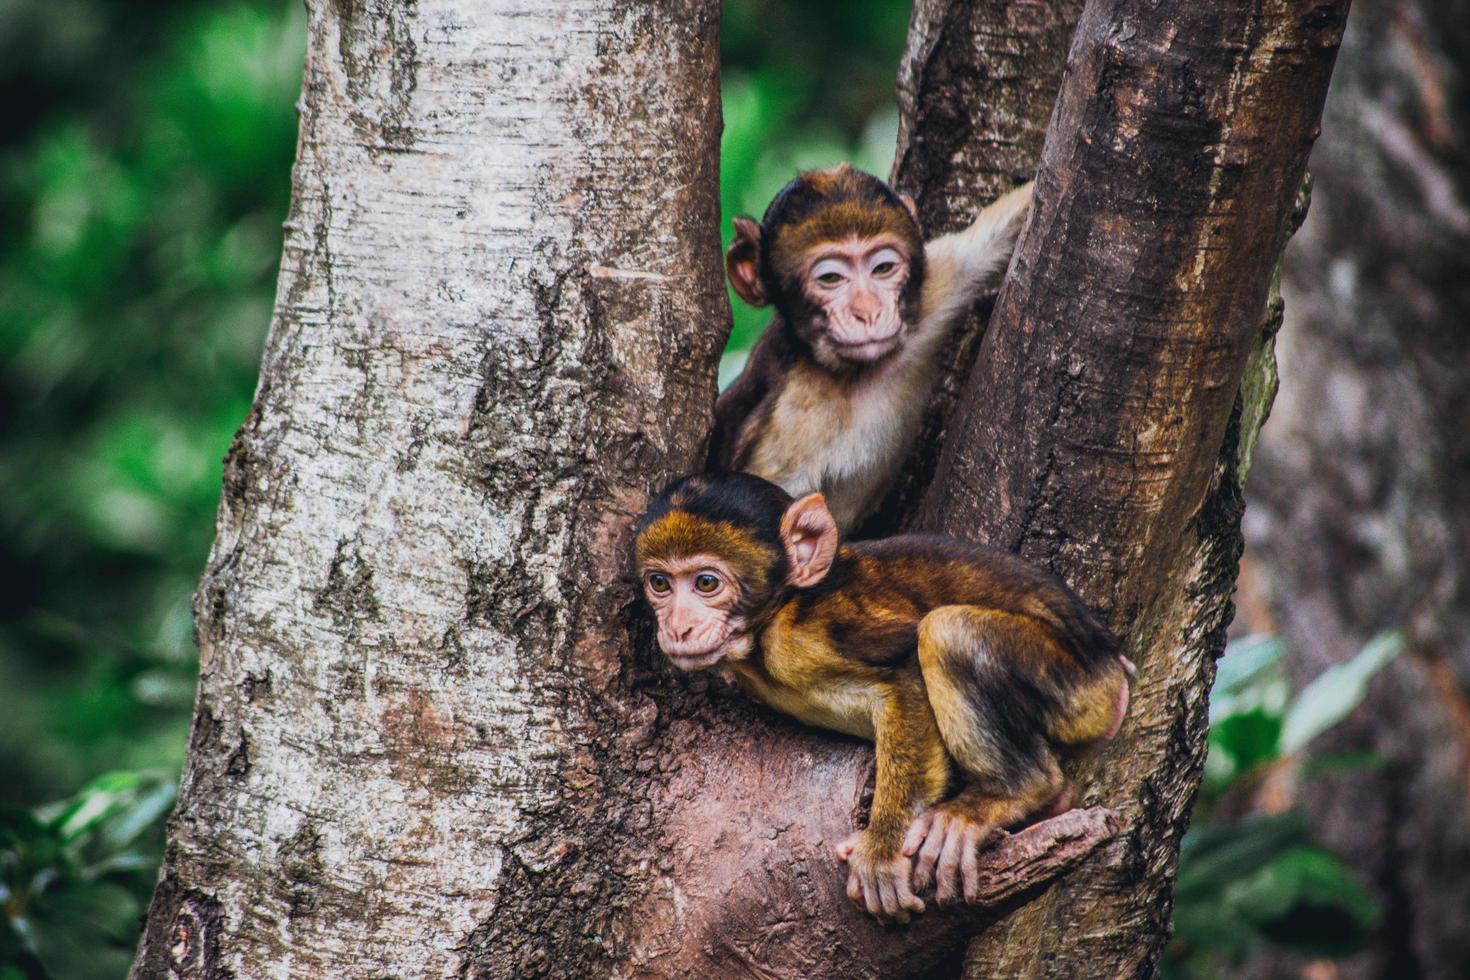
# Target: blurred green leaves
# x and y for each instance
(1251, 881)
(75, 876)
(138, 273)
(143, 220)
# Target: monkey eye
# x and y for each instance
(829, 278)
(884, 268)
(658, 583)
(707, 582)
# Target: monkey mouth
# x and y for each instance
(868, 349)
(699, 652)
(696, 661)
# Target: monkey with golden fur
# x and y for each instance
(969, 669)
(833, 393)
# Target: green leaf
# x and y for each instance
(1215, 856)
(1307, 899)
(143, 812)
(95, 802)
(1249, 738)
(1335, 692)
(1249, 676)
(1244, 660)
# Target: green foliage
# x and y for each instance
(75, 876)
(805, 85)
(143, 181)
(138, 287)
(1259, 882)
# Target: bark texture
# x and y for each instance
(418, 745)
(432, 737)
(1360, 515)
(1104, 430)
(975, 88)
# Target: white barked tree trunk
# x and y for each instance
(498, 308)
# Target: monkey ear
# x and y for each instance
(810, 536)
(743, 262)
(908, 202)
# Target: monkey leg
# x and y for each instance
(985, 673)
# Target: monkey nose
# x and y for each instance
(865, 309)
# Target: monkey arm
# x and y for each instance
(913, 766)
(913, 772)
(962, 266)
(740, 408)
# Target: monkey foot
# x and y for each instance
(878, 885)
(947, 840)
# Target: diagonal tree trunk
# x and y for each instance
(1105, 428)
(975, 89)
(1362, 519)
(432, 737)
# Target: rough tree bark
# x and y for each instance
(1360, 516)
(417, 747)
(1104, 430)
(432, 737)
(975, 89)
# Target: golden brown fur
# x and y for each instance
(967, 668)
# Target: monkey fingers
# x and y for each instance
(882, 887)
(949, 856)
(946, 874)
(928, 829)
(918, 830)
(975, 837)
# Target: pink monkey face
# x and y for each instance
(693, 599)
(858, 286)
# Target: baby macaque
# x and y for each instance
(833, 394)
(971, 671)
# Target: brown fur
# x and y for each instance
(963, 664)
(799, 414)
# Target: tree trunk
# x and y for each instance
(420, 744)
(975, 89)
(1361, 518)
(432, 736)
(1104, 430)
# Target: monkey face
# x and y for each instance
(857, 288)
(696, 600)
(716, 555)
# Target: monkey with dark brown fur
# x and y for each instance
(834, 392)
(967, 667)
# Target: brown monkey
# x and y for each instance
(833, 393)
(964, 665)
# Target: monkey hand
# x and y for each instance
(878, 881)
(947, 839)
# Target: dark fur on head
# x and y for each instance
(832, 205)
(735, 516)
